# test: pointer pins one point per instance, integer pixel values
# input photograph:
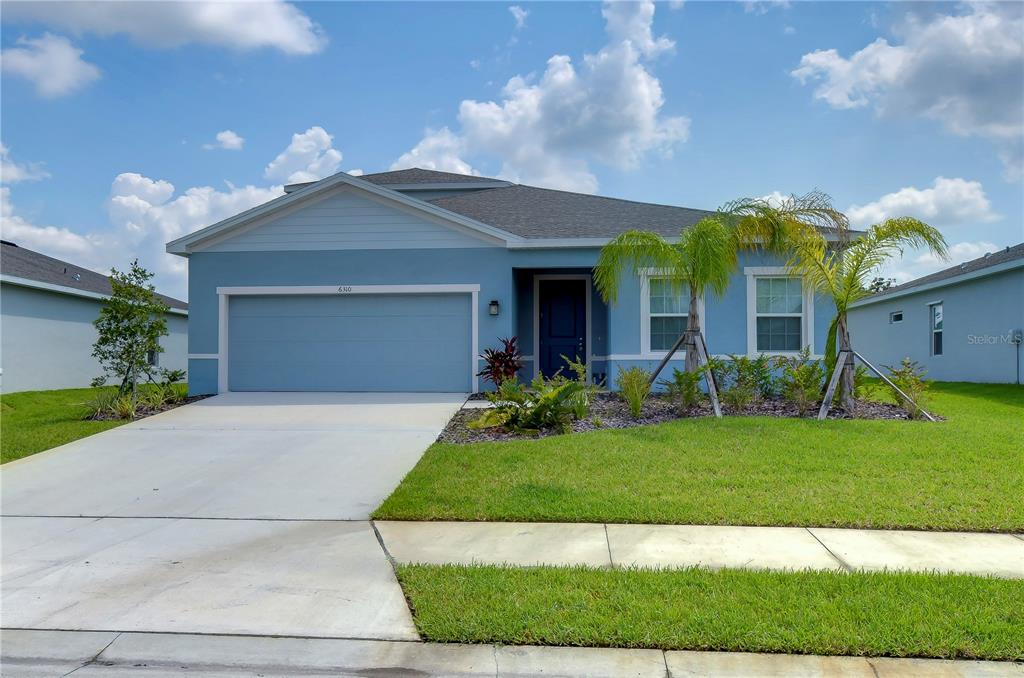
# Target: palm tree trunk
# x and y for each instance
(692, 329)
(846, 399)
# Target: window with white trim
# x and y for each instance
(935, 315)
(779, 314)
(668, 307)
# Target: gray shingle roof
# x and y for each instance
(991, 259)
(22, 263)
(416, 175)
(533, 212)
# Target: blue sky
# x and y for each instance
(110, 119)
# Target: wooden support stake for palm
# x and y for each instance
(702, 357)
(893, 386)
(830, 393)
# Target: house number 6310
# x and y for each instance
(345, 288)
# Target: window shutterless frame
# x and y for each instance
(773, 313)
(895, 317)
(935, 327)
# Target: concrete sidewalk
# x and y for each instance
(674, 546)
(55, 653)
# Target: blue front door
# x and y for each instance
(563, 324)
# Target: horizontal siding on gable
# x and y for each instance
(348, 221)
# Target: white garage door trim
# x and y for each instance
(224, 294)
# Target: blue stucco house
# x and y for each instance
(963, 323)
(396, 281)
(47, 307)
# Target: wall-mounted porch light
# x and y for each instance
(493, 307)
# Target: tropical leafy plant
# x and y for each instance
(586, 395)
(909, 377)
(544, 404)
(684, 388)
(129, 328)
(800, 379)
(123, 407)
(101, 403)
(501, 364)
(634, 387)
(702, 260)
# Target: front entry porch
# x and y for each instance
(560, 317)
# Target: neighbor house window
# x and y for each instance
(896, 317)
(779, 314)
(668, 311)
(936, 328)
(153, 358)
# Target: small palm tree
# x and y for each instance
(845, 275)
(703, 259)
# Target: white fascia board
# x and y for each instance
(62, 289)
(185, 245)
(348, 289)
(946, 282)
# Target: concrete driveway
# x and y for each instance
(244, 513)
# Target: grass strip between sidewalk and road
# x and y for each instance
(964, 473)
(826, 613)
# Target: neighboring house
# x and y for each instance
(960, 324)
(47, 307)
(396, 281)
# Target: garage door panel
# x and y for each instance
(412, 342)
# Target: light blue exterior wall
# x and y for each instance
(504, 275)
(978, 316)
(46, 340)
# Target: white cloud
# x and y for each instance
(916, 264)
(963, 70)
(238, 25)
(226, 140)
(546, 130)
(11, 172)
(63, 243)
(789, 30)
(948, 202)
(145, 213)
(438, 150)
(519, 14)
(355, 172)
(310, 156)
(763, 6)
(631, 22)
(49, 62)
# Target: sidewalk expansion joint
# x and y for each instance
(608, 543)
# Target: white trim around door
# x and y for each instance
(537, 278)
(225, 293)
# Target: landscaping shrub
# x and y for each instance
(544, 404)
(585, 397)
(501, 364)
(744, 380)
(123, 407)
(634, 387)
(684, 388)
(152, 396)
(863, 385)
(101, 403)
(800, 379)
(909, 377)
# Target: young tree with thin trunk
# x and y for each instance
(129, 328)
(845, 275)
(703, 259)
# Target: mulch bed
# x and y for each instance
(608, 411)
(142, 411)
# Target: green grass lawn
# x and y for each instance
(965, 473)
(829, 613)
(33, 421)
